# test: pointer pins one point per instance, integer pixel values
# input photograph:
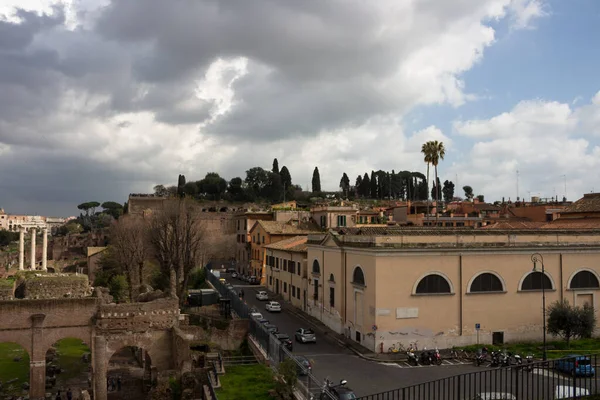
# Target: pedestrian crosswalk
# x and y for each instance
(404, 364)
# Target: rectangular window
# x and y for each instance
(292, 267)
(298, 294)
(285, 263)
(245, 224)
(293, 291)
(284, 287)
(341, 220)
(264, 239)
(277, 263)
(323, 221)
(332, 297)
(270, 280)
(316, 289)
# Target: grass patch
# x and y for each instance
(10, 369)
(7, 283)
(554, 349)
(246, 382)
(69, 352)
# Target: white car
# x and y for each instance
(262, 295)
(273, 306)
(256, 315)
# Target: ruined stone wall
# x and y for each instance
(229, 338)
(16, 314)
(56, 286)
(182, 355)
(139, 317)
(75, 245)
(7, 290)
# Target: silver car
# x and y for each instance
(305, 336)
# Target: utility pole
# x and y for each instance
(517, 185)
(565, 178)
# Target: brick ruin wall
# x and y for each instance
(56, 286)
(223, 334)
(139, 317)
(74, 246)
(7, 290)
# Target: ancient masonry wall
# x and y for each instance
(56, 286)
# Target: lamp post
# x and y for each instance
(535, 257)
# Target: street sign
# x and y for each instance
(477, 326)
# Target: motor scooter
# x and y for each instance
(411, 358)
(437, 357)
(425, 357)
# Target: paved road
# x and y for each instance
(336, 362)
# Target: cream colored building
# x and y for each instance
(286, 270)
(381, 286)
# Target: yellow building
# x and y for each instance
(286, 270)
(267, 232)
(381, 286)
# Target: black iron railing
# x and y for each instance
(544, 380)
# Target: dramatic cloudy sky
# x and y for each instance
(101, 98)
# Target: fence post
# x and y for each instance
(457, 378)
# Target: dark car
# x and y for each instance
(304, 366)
(343, 393)
(271, 328)
(285, 340)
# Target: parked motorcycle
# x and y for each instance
(529, 361)
(517, 358)
(481, 356)
(437, 357)
(411, 357)
(426, 357)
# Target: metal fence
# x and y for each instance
(544, 380)
(308, 385)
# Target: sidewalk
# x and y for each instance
(320, 328)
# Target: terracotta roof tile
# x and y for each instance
(296, 244)
(574, 223)
(288, 228)
(589, 203)
(515, 225)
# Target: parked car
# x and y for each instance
(256, 315)
(262, 295)
(253, 280)
(271, 328)
(230, 270)
(305, 336)
(234, 275)
(285, 340)
(576, 365)
(273, 306)
(305, 366)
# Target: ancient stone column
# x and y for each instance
(33, 233)
(100, 368)
(45, 249)
(21, 248)
(37, 365)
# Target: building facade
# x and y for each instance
(267, 232)
(381, 286)
(286, 270)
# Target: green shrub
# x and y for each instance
(118, 288)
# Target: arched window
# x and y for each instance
(534, 280)
(433, 284)
(486, 282)
(316, 268)
(584, 280)
(331, 278)
(358, 277)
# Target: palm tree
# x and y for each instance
(427, 151)
(438, 153)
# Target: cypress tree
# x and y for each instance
(316, 181)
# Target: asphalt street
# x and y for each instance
(335, 362)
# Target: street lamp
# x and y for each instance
(535, 257)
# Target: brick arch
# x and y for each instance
(145, 343)
(23, 340)
(54, 335)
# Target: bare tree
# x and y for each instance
(129, 240)
(177, 237)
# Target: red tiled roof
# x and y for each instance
(574, 223)
(296, 244)
(589, 203)
(515, 225)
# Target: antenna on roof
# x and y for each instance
(517, 185)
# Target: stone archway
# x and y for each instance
(15, 374)
(68, 366)
(129, 374)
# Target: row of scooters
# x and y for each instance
(502, 358)
(425, 357)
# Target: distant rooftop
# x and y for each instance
(297, 244)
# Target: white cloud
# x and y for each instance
(524, 12)
(543, 140)
(191, 87)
